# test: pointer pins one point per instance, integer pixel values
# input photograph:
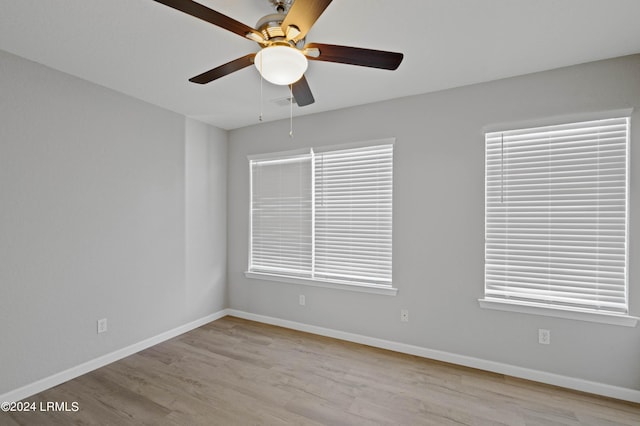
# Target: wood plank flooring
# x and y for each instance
(238, 372)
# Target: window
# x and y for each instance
(556, 216)
(323, 215)
(281, 216)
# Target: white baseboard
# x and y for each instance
(624, 394)
(73, 372)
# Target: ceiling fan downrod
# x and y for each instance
(282, 6)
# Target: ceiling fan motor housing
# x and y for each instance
(270, 26)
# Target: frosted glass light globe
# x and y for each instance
(281, 65)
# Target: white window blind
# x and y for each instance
(556, 215)
(353, 200)
(324, 216)
(281, 213)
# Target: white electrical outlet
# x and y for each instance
(544, 336)
(302, 300)
(102, 325)
(404, 315)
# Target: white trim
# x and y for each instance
(559, 119)
(602, 389)
(527, 270)
(291, 154)
(315, 282)
(302, 152)
(551, 311)
(353, 145)
(86, 367)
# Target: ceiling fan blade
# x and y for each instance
(223, 70)
(216, 18)
(354, 56)
(302, 15)
(302, 93)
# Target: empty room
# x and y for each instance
(316, 212)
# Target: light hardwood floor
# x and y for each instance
(238, 372)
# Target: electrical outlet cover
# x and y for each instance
(404, 315)
(102, 325)
(544, 336)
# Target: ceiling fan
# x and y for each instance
(283, 56)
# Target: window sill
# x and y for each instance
(569, 313)
(340, 285)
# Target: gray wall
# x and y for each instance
(109, 207)
(206, 215)
(439, 223)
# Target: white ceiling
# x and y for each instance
(149, 51)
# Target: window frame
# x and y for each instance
(340, 284)
(555, 310)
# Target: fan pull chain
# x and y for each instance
(502, 168)
(261, 97)
(291, 110)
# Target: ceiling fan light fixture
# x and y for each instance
(281, 65)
